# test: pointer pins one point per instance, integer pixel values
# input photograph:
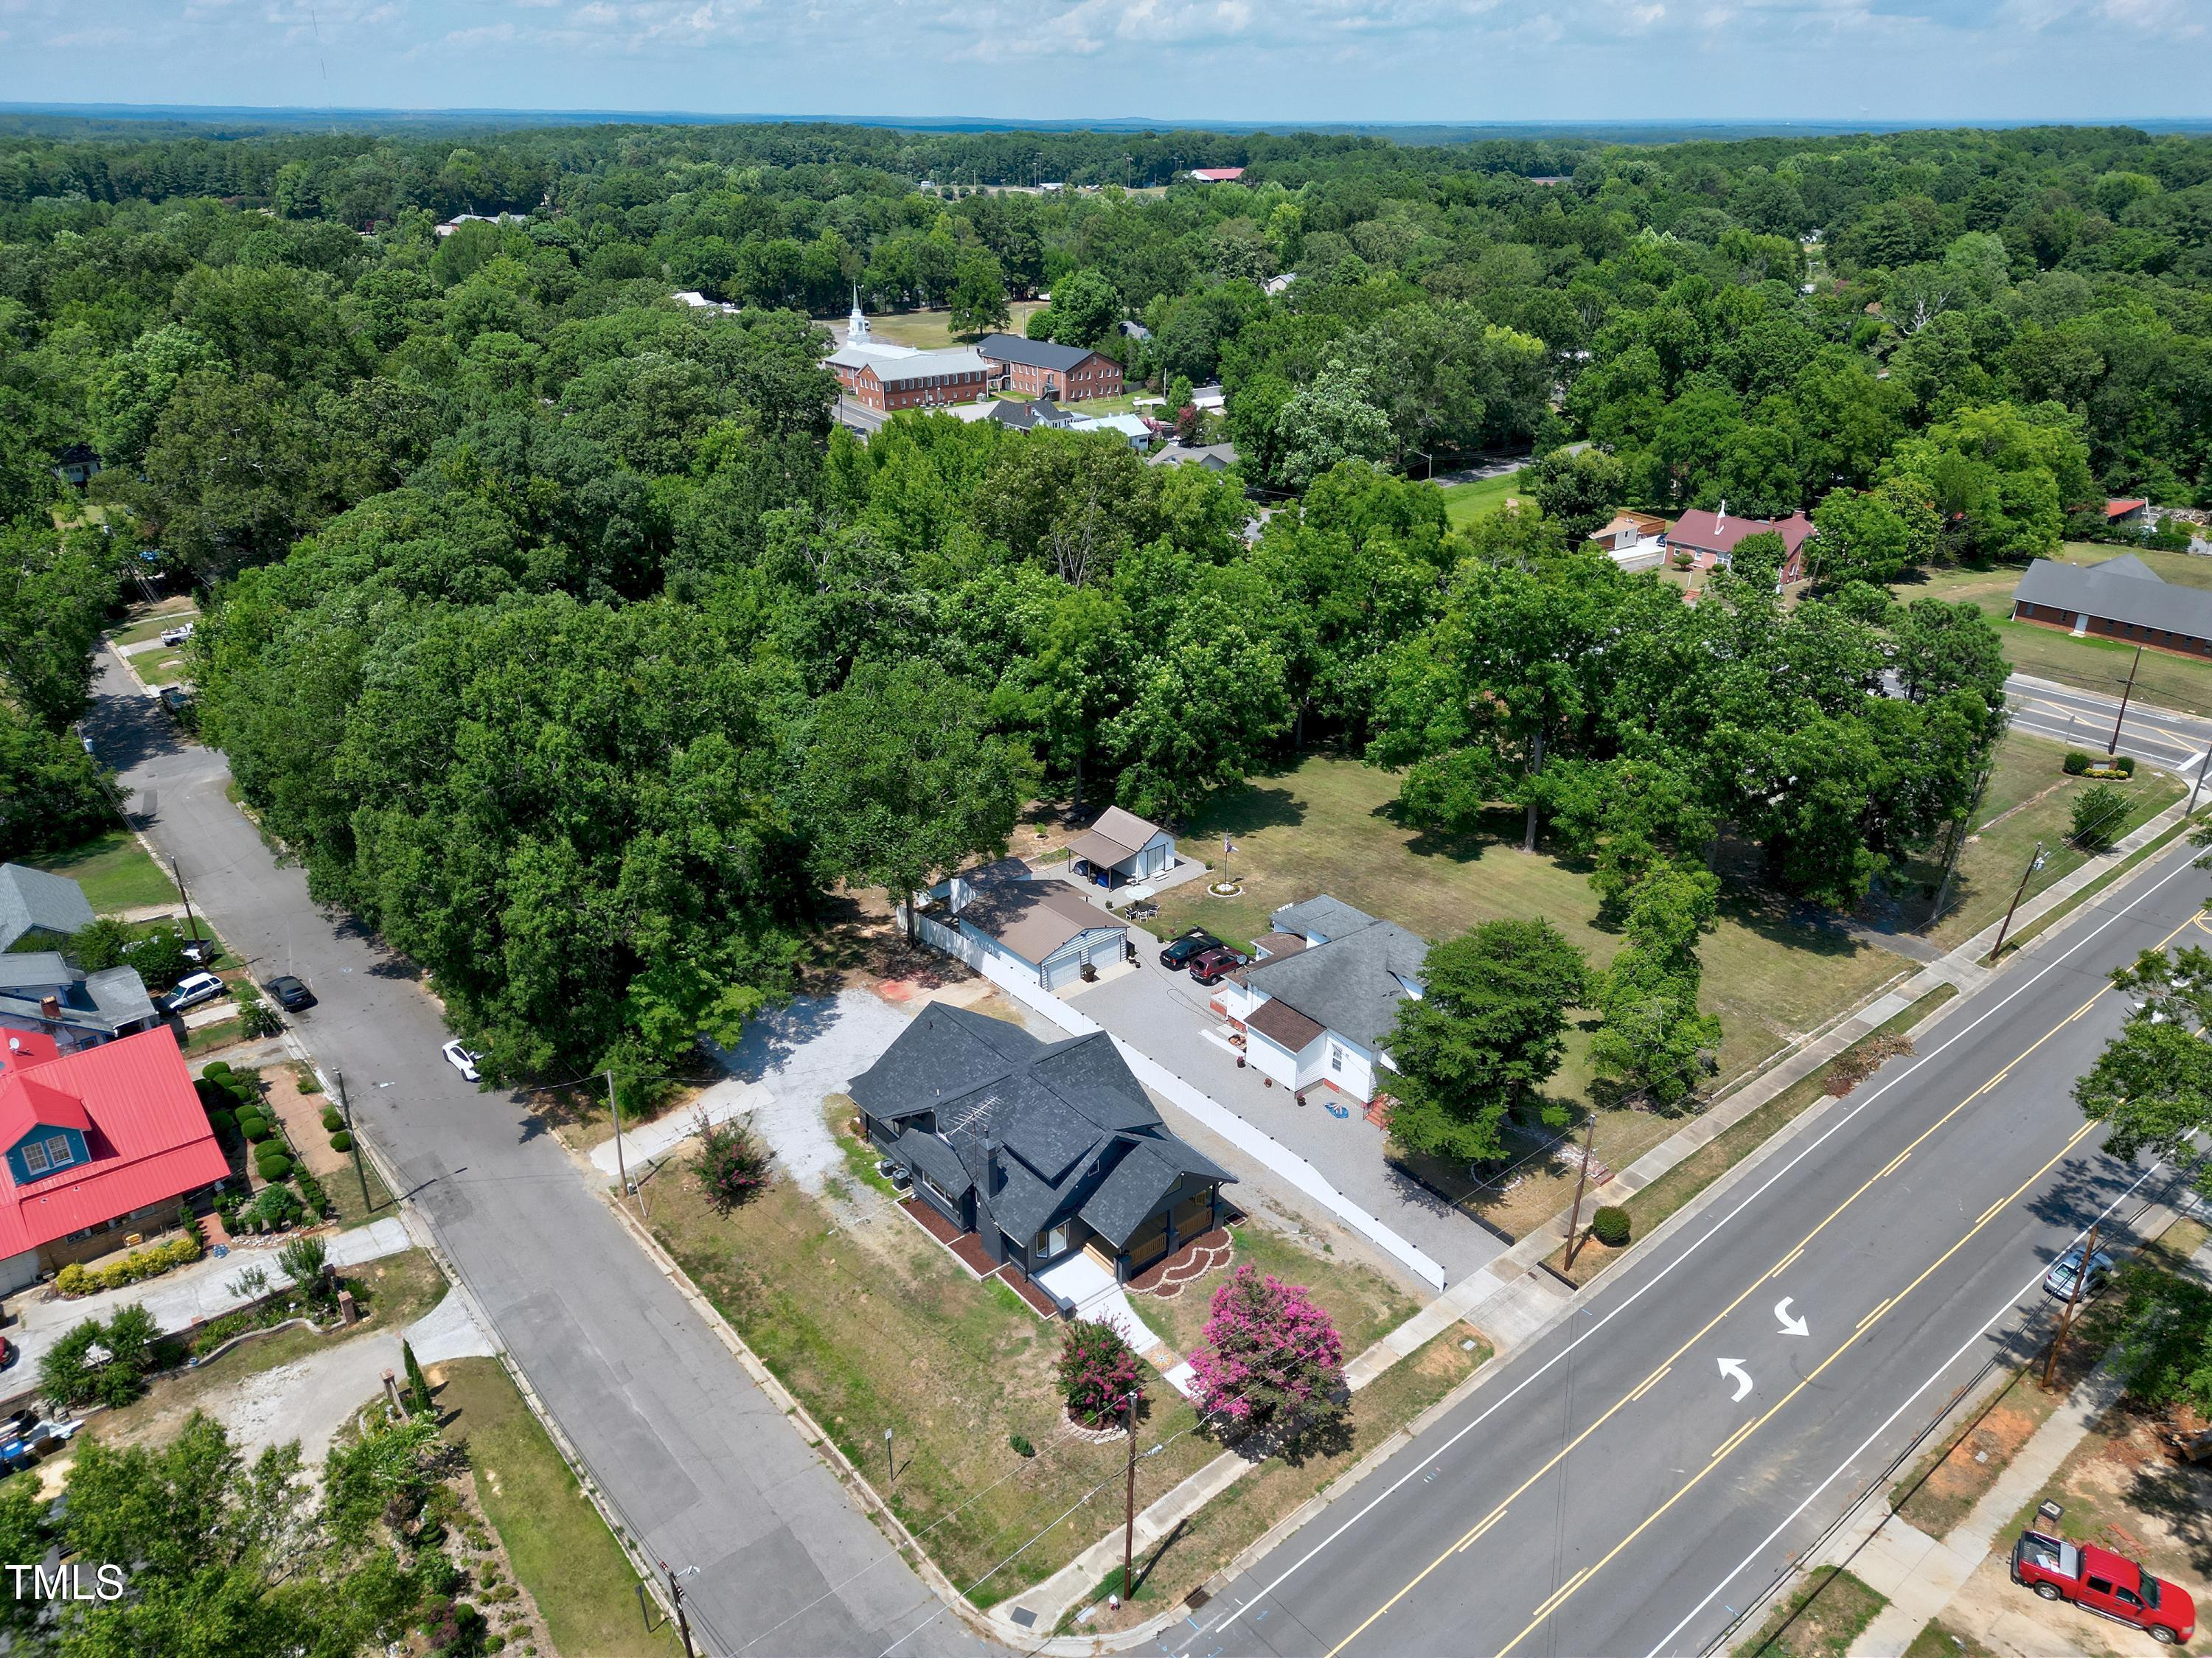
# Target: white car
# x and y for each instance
(461, 1059)
(177, 636)
(193, 989)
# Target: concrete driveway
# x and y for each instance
(1161, 1012)
(703, 1468)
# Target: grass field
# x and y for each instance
(2095, 664)
(874, 1325)
(1821, 1620)
(2029, 802)
(931, 331)
(1464, 503)
(116, 872)
(1330, 825)
(153, 620)
(563, 1551)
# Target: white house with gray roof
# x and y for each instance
(1319, 1002)
(1040, 1149)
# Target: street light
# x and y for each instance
(890, 1461)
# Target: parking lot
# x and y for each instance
(1164, 1014)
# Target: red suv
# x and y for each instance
(1212, 966)
(2111, 1585)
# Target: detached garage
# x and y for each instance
(1045, 926)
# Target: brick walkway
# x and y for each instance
(1165, 1277)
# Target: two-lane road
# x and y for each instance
(2084, 719)
(1622, 1485)
(704, 1468)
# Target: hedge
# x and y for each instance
(272, 1166)
(312, 1193)
(342, 1141)
(255, 1128)
(78, 1280)
(2077, 763)
(1609, 1226)
(225, 1125)
(333, 1120)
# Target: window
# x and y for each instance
(35, 1158)
(2097, 1586)
(1335, 1057)
(57, 1152)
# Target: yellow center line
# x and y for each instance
(1882, 1307)
(1588, 1572)
(1649, 1382)
(1797, 1249)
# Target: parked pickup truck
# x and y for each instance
(2111, 1585)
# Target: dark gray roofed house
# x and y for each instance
(1039, 1149)
(39, 910)
(2122, 598)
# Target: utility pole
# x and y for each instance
(190, 924)
(338, 1081)
(890, 1461)
(2018, 893)
(676, 1599)
(2113, 747)
(2073, 1298)
(1129, 1516)
(621, 1168)
(1582, 1175)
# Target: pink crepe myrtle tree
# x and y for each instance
(1270, 1354)
(1098, 1372)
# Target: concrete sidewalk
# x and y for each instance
(1922, 1575)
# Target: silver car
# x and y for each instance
(2059, 1280)
(192, 990)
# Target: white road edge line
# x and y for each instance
(1660, 1277)
(1889, 1421)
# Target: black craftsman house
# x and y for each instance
(1040, 1149)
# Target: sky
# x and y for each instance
(1273, 61)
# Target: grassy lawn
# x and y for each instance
(931, 331)
(153, 621)
(1937, 1639)
(343, 1188)
(1169, 1570)
(874, 1326)
(1330, 825)
(1821, 1620)
(561, 1550)
(116, 872)
(155, 669)
(210, 1038)
(1464, 503)
(1363, 1304)
(2029, 801)
(1650, 1206)
(2088, 664)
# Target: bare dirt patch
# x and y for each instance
(302, 1117)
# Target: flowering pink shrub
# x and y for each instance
(1099, 1370)
(1269, 1350)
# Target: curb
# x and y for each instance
(1804, 1123)
(871, 1503)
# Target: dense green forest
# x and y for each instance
(557, 630)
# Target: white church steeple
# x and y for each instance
(856, 325)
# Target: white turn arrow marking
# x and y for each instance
(1790, 1326)
(1735, 1367)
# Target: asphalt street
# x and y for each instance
(1627, 1482)
(706, 1471)
(2083, 719)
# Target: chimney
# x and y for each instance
(990, 1166)
(50, 1007)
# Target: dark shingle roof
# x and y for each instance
(1039, 1129)
(32, 899)
(1351, 985)
(106, 1001)
(1037, 354)
(2123, 589)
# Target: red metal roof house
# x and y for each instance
(1712, 537)
(93, 1139)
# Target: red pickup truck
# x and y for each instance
(2111, 1585)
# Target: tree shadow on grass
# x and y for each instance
(1247, 811)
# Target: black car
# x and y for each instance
(291, 995)
(1194, 942)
